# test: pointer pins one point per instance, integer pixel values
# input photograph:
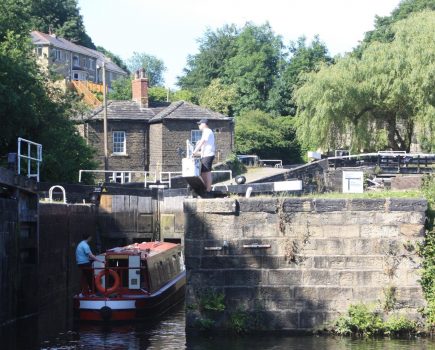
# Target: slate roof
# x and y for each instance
(39, 38)
(127, 110)
(109, 64)
(130, 110)
(187, 111)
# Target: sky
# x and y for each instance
(170, 29)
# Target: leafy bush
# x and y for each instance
(360, 320)
(212, 301)
(399, 325)
(239, 321)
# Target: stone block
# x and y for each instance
(412, 230)
(343, 231)
(367, 204)
(194, 225)
(297, 205)
(258, 205)
(217, 206)
(274, 292)
(408, 204)
(192, 263)
(230, 262)
(320, 277)
(395, 218)
(205, 278)
(243, 277)
(306, 292)
(189, 205)
(376, 231)
(359, 217)
(311, 319)
(279, 320)
(361, 293)
(362, 278)
(329, 205)
(289, 277)
(239, 292)
(193, 247)
(218, 226)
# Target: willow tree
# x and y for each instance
(384, 99)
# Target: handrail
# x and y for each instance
(50, 193)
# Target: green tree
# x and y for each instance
(267, 136)
(247, 57)
(62, 17)
(382, 99)
(183, 95)
(115, 58)
(157, 94)
(29, 105)
(254, 66)
(215, 49)
(383, 25)
(219, 97)
(303, 58)
(153, 66)
(121, 89)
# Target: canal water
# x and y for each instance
(168, 333)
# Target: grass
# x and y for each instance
(369, 195)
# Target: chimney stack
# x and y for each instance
(140, 88)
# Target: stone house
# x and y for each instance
(151, 137)
(73, 62)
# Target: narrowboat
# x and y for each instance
(138, 281)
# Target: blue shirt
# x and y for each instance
(82, 253)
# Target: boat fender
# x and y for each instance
(106, 313)
(99, 284)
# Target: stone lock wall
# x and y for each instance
(297, 264)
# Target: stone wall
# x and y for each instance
(174, 136)
(136, 133)
(297, 264)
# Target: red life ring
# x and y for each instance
(99, 284)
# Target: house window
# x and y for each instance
(57, 55)
(195, 136)
(119, 142)
(76, 61)
(39, 50)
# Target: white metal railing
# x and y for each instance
(50, 193)
(386, 153)
(28, 156)
(124, 176)
(277, 161)
(170, 175)
(165, 177)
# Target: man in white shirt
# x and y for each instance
(206, 148)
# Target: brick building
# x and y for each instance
(147, 137)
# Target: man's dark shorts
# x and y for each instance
(206, 164)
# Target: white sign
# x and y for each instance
(353, 182)
(292, 185)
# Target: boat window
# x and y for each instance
(175, 262)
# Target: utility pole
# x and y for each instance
(106, 153)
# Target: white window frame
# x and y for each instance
(76, 61)
(116, 142)
(195, 139)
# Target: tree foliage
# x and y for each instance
(381, 99)
(303, 58)
(62, 17)
(31, 107)
(153, 66)
(219, 97)
(267, 136)
(121, 89)
(115, 58)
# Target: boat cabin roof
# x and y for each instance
(144, 249)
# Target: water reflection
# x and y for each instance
(168, 333)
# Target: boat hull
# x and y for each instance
(130, 307)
